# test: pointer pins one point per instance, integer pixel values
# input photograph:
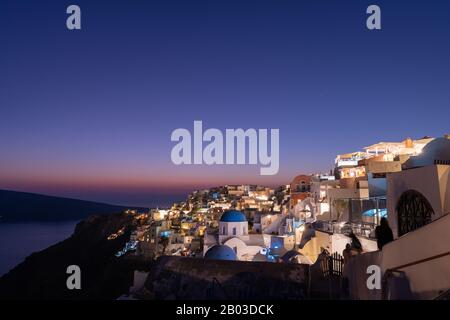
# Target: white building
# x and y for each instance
(420, 193)
(416, 265)
(233, 224)
(233, 232)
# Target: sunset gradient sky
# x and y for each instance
(89, 113)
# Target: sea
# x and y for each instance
(19, 240)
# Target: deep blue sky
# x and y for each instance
(89, 113)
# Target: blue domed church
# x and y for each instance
(232, 224)
(233, 234)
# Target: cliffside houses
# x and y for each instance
(311, 218)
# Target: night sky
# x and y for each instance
(89, 113)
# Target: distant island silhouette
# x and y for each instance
(23, 206)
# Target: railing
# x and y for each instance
(442, 162)
(419, 261)
(332, 265)
(389, 273)
(444, 295)
(332, 268)
(364, 229)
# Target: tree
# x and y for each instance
(164, 241)
(340, 205)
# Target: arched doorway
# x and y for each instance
(414, 211)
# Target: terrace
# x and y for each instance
(358, 215)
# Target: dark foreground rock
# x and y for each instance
(191, 278)
(43, 274)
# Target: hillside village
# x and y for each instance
(320, 217)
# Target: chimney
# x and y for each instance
(409, 143)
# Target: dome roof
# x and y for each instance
(233, 216)
(436, 151)
(220, 252)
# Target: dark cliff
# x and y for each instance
(43, 274)
(24, 206)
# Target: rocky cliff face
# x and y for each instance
(43, 274)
